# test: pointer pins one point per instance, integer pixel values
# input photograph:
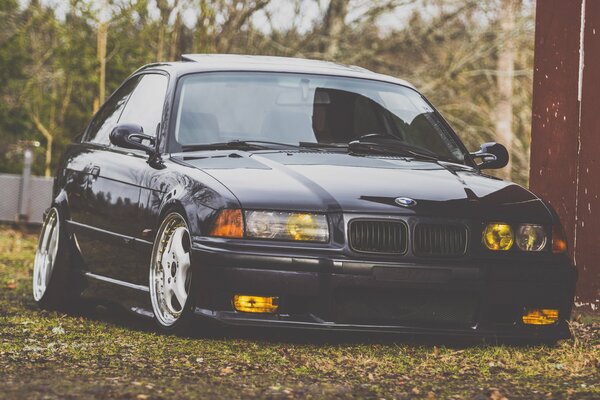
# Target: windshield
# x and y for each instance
(298, 108)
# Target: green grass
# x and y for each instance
(109, 354)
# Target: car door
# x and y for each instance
(115, 175)
(144, 108)
(88, 204)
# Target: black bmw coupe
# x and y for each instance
(282, 192)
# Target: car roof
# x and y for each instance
(232, 62)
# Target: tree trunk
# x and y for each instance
(101, 54)
(174, 51)
(165, 12)
(333, 27)
(505, 76)
(49, 139)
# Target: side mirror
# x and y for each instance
(132, 136)
(493, 156)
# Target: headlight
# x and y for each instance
(281, 225)
(531, 237)
(498, 236)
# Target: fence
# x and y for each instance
(18, 203)
(24, 198)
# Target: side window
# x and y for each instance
(109, 114)
(145, 106)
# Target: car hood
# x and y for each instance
(340, 182)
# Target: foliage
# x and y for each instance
(108, 354)
(447, 48)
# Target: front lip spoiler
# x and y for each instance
(232, 318)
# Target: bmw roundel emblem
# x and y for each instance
(405, 201)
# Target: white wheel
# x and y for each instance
(45, 256)
(170, 270)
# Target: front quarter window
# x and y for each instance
(293, 108)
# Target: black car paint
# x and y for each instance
(113, 200)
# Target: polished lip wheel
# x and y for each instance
(45, 255)
(170, 272)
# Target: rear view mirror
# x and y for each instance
(132, 136)
(493, 156)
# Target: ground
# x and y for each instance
(105, 353)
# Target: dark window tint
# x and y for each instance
(107, 117)
(145, 105)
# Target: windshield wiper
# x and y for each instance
(312, 145)
(387, 144)
(237, 145)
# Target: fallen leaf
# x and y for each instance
(226, 371)
(495, 394)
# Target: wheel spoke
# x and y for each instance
(47, 270)
(183, 264)
(180, 294)
(43, 245)
(53, 246)
(178, 237)
(168, 299)
(41, 273)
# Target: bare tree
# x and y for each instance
(236, 15)
(506, 67)
(101, 44)
(333, 27)
(165, 9)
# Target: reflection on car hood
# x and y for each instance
(323, 181)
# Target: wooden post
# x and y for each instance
(587, 227)
(565, 136)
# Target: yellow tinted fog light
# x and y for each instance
(498, 236)
(255, 304)
(540, 317)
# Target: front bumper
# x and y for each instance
(468, 298)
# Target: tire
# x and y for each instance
(170, 275)
(52, 287)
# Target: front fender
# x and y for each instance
(61, 201)
(198, 201)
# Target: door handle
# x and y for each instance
(95, 172)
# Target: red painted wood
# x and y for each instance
(565, 148)
(587, 232)
(555, 119)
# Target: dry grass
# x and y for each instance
(107, 354)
